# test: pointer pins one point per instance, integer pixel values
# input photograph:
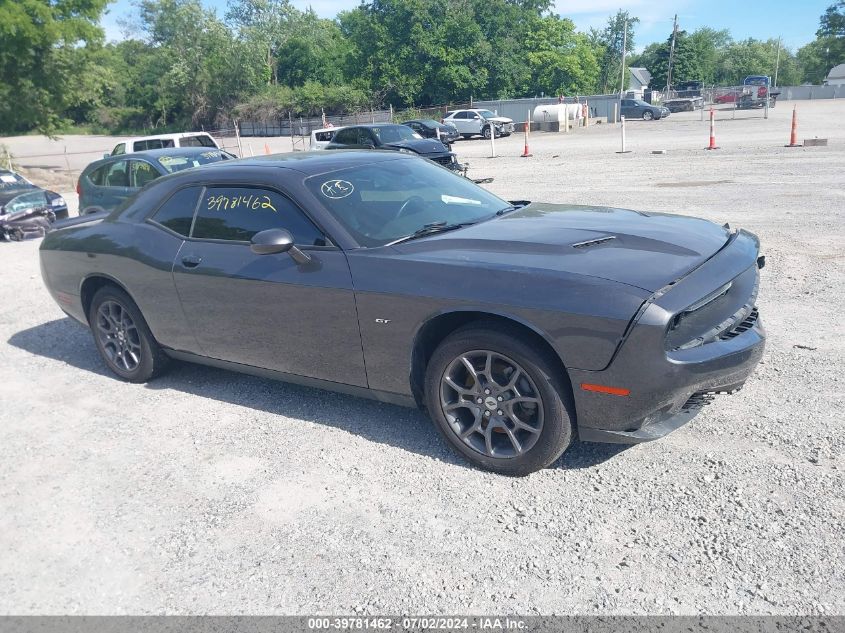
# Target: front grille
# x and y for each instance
(701, 399)
(698, 401)
(443, 160)
(746, 325)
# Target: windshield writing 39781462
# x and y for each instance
(254, 203)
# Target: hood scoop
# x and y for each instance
(594, 242)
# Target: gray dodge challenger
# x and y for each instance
(519, 326)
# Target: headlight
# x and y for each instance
(58, 202)
(406, 151)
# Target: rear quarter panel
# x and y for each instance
(138, 257)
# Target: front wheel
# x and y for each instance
(486, 132)
(123, 338)
(497, 401)
(648, 115)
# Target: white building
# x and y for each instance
(639, 80)
(836, 76)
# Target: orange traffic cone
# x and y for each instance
(526, 153)
(712, 130)
(793, 135)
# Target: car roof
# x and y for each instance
(151, 154)
(306, 163)
(167, 136)
(372, 125)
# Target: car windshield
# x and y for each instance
(486, 114)
(178, 162)
(385, 201)
(10, 180)
(395, 133)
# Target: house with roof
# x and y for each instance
(638, 81)
(836, 76)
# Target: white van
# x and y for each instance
(161, 141)
(322, 137)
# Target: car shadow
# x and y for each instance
(408, 429)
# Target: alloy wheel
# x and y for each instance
(118, 336)
(491, 404)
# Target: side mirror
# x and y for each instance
(369, 144)
(106, 155)
(274, 241)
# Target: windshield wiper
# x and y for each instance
(512, 207)
(430, 229)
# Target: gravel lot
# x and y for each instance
(211, 492)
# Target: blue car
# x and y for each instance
(106, 183)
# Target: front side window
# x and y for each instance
(140, 173)
(394, 133)
(238, 213)
(382, 202)
(178, 212)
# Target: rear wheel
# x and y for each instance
(497, 401)
(123, 338)
(648, 115)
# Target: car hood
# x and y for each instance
(646, 250)
(420, 145)
(500, 119)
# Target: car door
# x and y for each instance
(114, 189)
(459, 120)
(266, 310)
(628, 108)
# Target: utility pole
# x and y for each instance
(624, 52)
(777, 64)
(671, 56)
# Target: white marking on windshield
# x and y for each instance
(456, 200)
(336, 189)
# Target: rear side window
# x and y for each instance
(176, 214)
(98, 176)
(117, 174)
(349, 136)
(238, 213)
(203, 140)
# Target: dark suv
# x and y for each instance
(399, 138)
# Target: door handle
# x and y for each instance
(191, 261)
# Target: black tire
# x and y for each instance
(648, 115)
(553, 409)
(133, 337)
(486, 133)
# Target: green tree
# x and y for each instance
(46, 66)
(618, 31)
(828, 49)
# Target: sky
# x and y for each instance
(795, 21)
